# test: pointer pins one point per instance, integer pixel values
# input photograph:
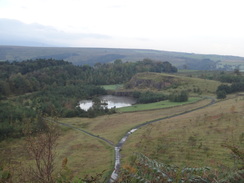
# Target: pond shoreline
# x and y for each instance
(111, 101)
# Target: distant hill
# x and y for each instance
(90, 56)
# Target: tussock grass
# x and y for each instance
(193, 139)
(85, 155)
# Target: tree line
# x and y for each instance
(225, 89)
(17, 78)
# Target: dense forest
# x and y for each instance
(35, 88)
(29, 76)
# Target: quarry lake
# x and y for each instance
(112, 101)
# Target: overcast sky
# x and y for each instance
(195, 26)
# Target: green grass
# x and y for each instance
(166, 141)
(112, 87)
(156, 105)
(186, 71)
(194, 139)
(113, 127)
(176, 82)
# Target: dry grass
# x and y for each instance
(167, 140)
(193, 139)
(86, 155)
(113, 127)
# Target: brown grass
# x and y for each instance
(113, 127)
(170, 141)
(85, 154)
(193, 139)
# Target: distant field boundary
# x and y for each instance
(86, 132)
(166, 107)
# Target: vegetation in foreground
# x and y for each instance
(144, 169)
(211, 137)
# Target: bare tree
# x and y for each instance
(40, 148)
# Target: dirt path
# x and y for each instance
(118, 147)
(88, 133)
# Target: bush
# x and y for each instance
(221, 94)
(179, 97)
(149, 97)
(227, 89)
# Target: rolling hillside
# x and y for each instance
(90, 56)
(171, 83)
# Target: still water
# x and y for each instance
(112, 101)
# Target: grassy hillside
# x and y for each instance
(85, 155)
(156, 105)
(169, 83)
(194, 139)
(91, 56)
(81, 150)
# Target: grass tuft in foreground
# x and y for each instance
(144, 169)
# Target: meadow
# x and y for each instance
(195, 139)
(157, 105)
(112, 87)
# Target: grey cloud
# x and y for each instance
(17, 33)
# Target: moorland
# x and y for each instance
(187, 125)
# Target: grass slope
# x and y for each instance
(167, 140)
(93, 55)
(193, 139)
(156, 105)
(170, 83)
(85, 155)
(113, 127)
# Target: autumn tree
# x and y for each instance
(40, 148)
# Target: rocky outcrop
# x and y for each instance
(153, 81)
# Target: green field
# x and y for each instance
(156, 105)
(112, 87)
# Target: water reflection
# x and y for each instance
(112, 101)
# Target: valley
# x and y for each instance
(178, 119)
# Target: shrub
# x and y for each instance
(179, 97)
(221, 94)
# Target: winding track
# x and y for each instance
(86, 132)
(118, 147)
